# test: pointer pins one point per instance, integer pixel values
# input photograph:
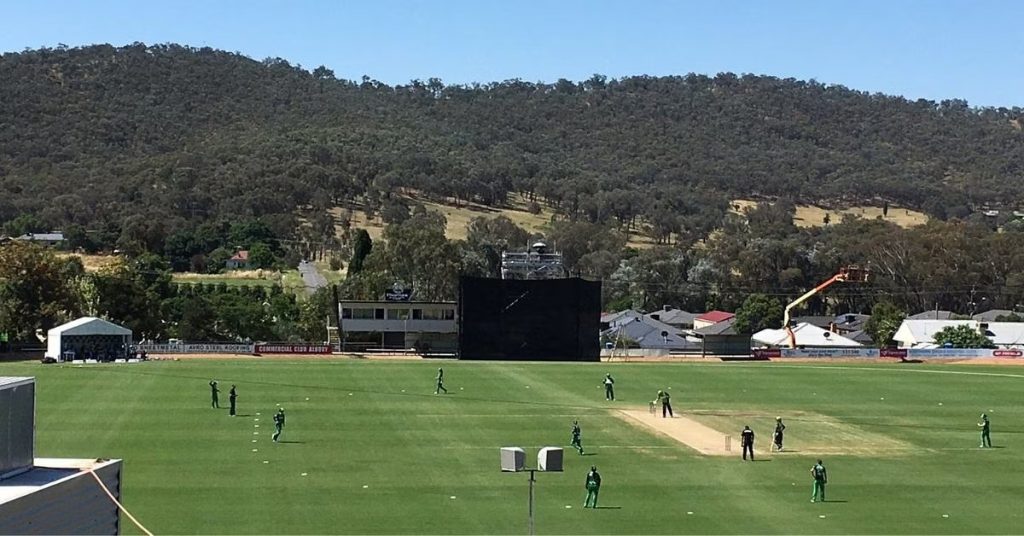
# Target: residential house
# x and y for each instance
(823, 322)
(860, 336)
(239, 260)
(611, 320)
(649, 334)
(992, 314)
(711, 318)
(807, 336)
(52, 238)
(674, 317)
(936, 314)
(721, 339)
(921, 333)
(850, 323)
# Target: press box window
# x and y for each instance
(398, 314)
(362, 314)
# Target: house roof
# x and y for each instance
(715, 316)
(992, 314)
(921, 333)
(88, 325)
(54, 236)
(722, 328)
(806, 335)
(647, 333)
(241, 255)
(821, 321)
(916, 331)
(933, 315)
(612, 318)
(860, 336)
(851, 321)
(669, 315)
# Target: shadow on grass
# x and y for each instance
(294, 442)
(833, 501)
(607, 508)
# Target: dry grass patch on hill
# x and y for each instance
(95, 263)
(459, 216)
(812, 216)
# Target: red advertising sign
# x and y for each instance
(293, 348)
(1007, 353)
(893, 352)
(768, 353)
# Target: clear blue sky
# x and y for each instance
(935, 49)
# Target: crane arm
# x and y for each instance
(801, 299)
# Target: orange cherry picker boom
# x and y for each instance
(849, 274)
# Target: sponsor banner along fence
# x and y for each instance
(235, 348)
(900, 353)
(293, 348)
(197, 348)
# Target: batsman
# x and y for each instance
(777, 436)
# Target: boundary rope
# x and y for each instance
(119, 505)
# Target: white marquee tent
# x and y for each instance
(88, 338)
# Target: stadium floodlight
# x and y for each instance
(513, 460)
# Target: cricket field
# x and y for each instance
(368, 447)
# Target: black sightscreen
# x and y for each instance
(514, 319)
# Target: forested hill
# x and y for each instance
(149, 137)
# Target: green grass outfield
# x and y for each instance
(383, 454)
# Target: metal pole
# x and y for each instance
(532, 480)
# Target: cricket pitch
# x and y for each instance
(703, 439)
(806, 433)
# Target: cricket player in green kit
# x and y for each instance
(278, 423)
(440, 382)
(820, 479)
(576, 438)
(593, 485)
(214, 403)
(986, 440)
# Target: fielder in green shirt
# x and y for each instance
(278, 423)
(440, 382)
(820, 479)
(593, 485)
(576, 437)
(986, 440)
(214, 403)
